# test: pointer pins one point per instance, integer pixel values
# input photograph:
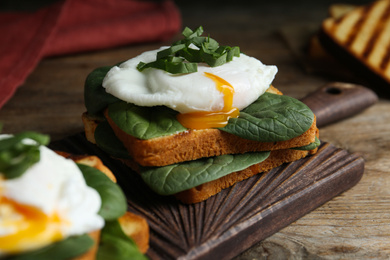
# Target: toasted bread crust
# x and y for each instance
(90, 124)
(195, 144)
(90, 160)
(137, 228)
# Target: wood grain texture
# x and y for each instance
(238, 217)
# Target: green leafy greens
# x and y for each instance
(16, 155)
(108, 141)
(113, 200)
(62, 250)
(310, 146)
(171, 179)
(184, 55)
(96, 98)
(115, 244)
(145, 122)
(270, 118)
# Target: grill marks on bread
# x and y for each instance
(365, 33)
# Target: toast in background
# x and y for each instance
(360, 37)
(315, 49)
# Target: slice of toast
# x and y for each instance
(362, 37)
(206, 190)
(315, 49)
(339, 9)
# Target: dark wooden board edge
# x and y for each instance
(238, 217)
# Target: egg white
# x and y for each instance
(54, 186)
(189, 92)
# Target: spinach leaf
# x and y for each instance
(308, 147)
(16, 156)
(108, 142)
(96, 98)
(64, 249)
(145, 122)
(174, 178)
(271, 118)
(114, 244)
(114, 202)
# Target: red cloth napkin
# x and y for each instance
(73, 26)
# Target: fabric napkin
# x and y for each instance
(74, 26)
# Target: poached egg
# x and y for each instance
(211, 92)
(47, 203)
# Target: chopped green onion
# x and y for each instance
(16, 156)
(181, 57)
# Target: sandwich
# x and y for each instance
(360, 38)
(195, 117)
(54, 205)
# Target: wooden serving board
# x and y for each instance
(239, 217)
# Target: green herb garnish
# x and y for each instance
(17, 156)
(182, 57)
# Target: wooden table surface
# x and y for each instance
(354, 225)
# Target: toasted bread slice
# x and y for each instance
(90, 160)
(337, 10)
(193, 144)
(206, 190)
(315, 49)
(364, 35)
(137, 228)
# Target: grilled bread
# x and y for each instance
(315, 50)
(361, 37)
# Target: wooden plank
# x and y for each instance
(238, 217)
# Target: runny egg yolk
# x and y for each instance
(26, 227)
(212, 119)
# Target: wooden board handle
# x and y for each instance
(336, 101)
